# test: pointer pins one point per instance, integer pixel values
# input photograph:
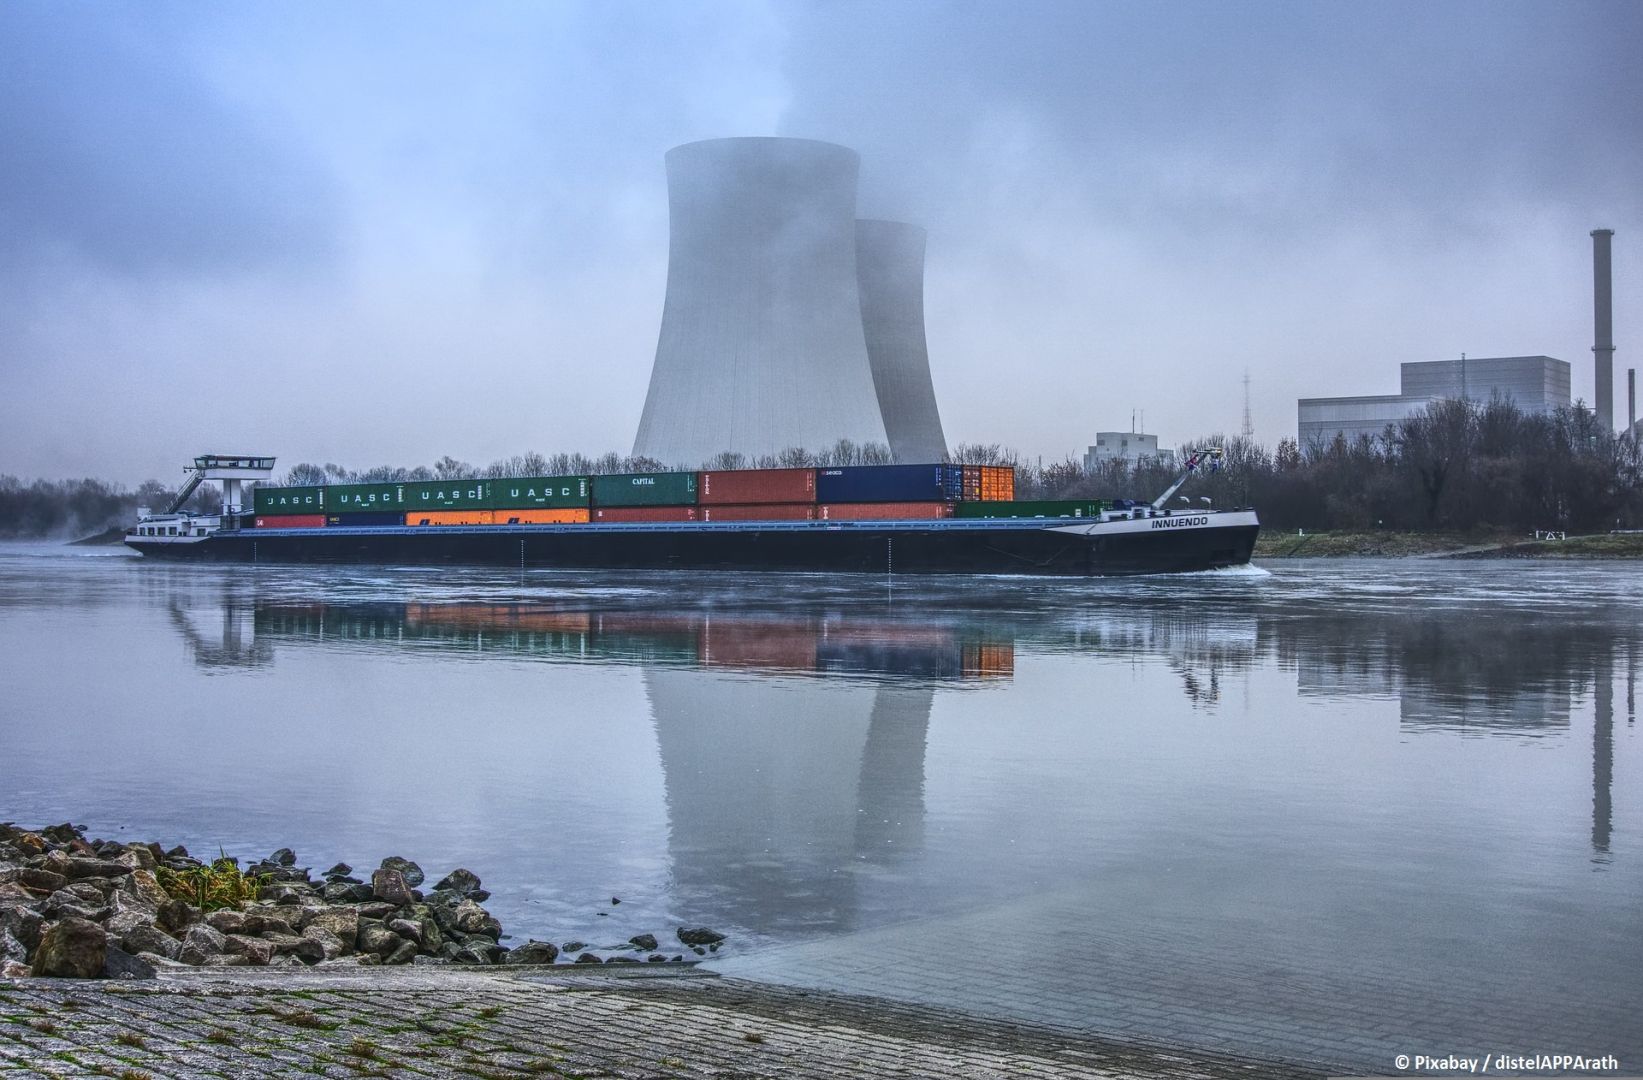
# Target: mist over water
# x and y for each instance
(1314, 810)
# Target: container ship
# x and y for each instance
(937, 518)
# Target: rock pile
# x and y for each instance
(78, 908)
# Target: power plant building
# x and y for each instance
(1535, 384)
(787, 323)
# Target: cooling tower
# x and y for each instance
(890, 273)
(761, 346)
(1603, 327)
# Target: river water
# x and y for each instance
(1329, 811)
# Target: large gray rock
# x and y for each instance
(477, 950)
(63, 904)
(533, 952)
(71, 949)
(176, 915)
(12, 949)
(390, 887)
(407, 869)
(377, 940)
(88, 868)
(470, 918)
(228, 922)
(407, 928)
(461, 882)
(149, 938)
(256, 949)
(201, 943)
(143, 887)
(341, 921)
(305, 949)
(23, 923)
(338, 892)
(402, 955)
(119, 964)
(330, 945)
(643, 942)
(122, 923)
(700, 936)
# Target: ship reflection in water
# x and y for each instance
(1327, 814)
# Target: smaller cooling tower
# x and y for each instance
(890, 272)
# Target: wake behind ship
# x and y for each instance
(868, 519)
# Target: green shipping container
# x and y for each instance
(447, 494)
(645, 489)
(548, 492)
(1043, 508)
(289, 500)
(359, 498)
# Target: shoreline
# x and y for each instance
(1441, 545)
(73, 907)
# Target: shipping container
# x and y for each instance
(645, 489)
(1045, 508)
(746, 486)
(542, 492)
(450, 517)
(288, 500)
(989, 661)
(447, 495)
(354, 498)
(291, 521)
(997, 482)
(902, 511)
(890, 483)
(762, 512)
(525, 515)
(644, 513)
(770, 646)
(374, 517)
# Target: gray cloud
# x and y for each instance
(114, 153)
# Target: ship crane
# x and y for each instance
(1208, 458)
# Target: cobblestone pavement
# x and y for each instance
(476, 1024)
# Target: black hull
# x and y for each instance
(855, 548)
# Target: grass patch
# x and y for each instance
(220, 1037)
(301, 1018)
(490, 1012)
(363, 1048)
(44, 1027)
(135, 1074)
(131, 1038)
(212, 888)
(753, 1037)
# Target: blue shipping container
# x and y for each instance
(890, 483)
(367, 517)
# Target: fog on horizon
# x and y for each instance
(382, 234)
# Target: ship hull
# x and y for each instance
(1206, 542)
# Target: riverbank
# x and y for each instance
(1385, 544)
(490, 1023)
(73, 907)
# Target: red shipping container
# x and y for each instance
(765, 512)
(292, 521)
(905, 511)
(644, 513)
(756, 486)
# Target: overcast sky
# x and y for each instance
(379, 233)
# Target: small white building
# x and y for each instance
(1130, 446)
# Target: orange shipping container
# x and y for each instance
(644, 513)
(450, 517)
(767, 512)
(907, 511)
(529, 516)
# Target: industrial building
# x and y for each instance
(1130, 446)
(1538, 384)
(787, 323)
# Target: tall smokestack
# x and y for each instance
(1603, 317)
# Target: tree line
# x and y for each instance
(1458, 465)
